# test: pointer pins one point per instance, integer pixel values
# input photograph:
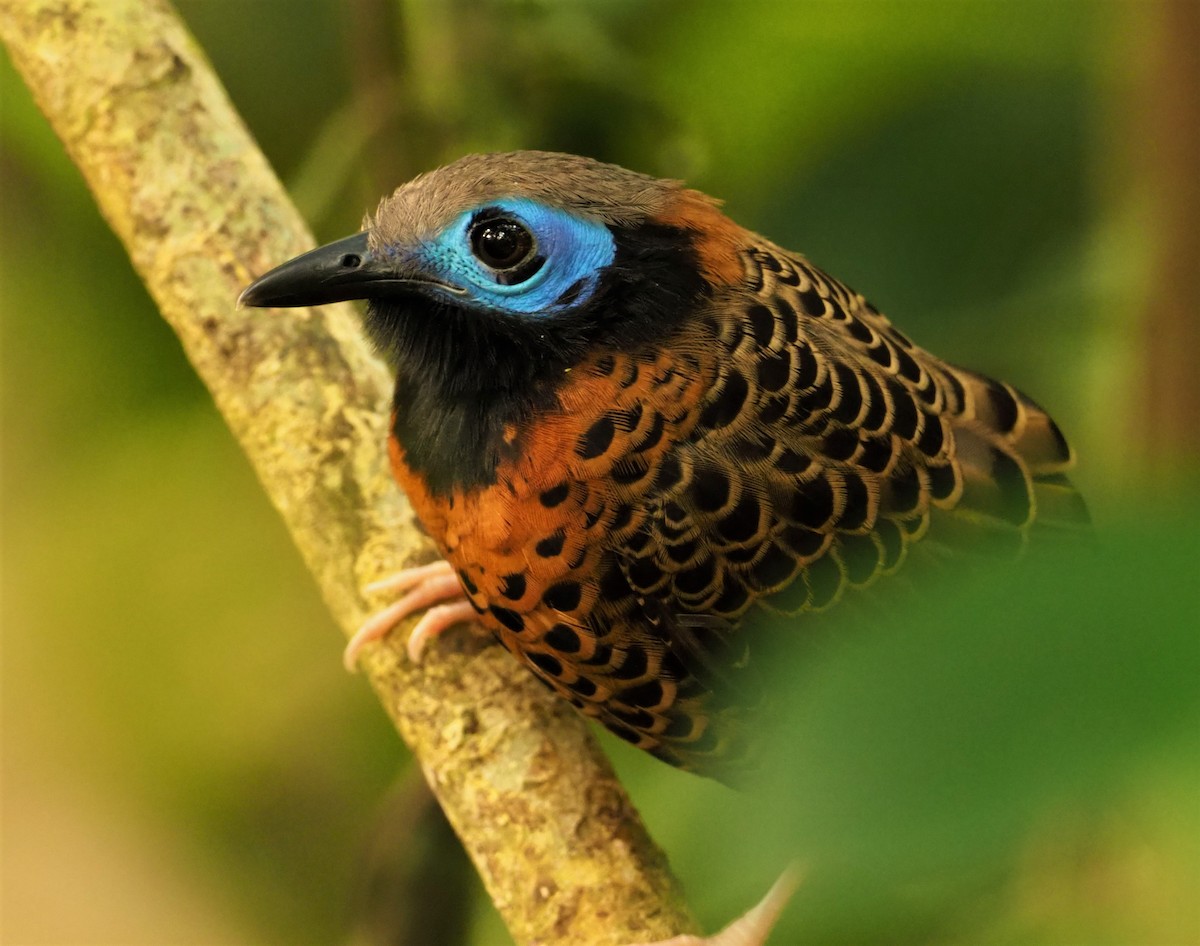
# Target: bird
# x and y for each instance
(641, 435)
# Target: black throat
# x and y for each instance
(464, 375)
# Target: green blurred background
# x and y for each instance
(1017, 762)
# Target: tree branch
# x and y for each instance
(560, 848)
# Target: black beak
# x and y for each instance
(335, 272)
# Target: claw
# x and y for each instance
(754, 926)
(426, 585)
(433, 622)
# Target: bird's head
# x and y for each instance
(490, 279)
(527, 255)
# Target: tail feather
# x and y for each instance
(1059, 503)
(1040, 442)
(1013, 458)
(995, 481)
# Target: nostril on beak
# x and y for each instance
(351, 261)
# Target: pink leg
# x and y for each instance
(751, 929)
(426, 585)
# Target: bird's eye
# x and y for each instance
(507, 246)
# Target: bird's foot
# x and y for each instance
(754, 926)
(425, 585)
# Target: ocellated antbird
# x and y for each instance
(632, 427)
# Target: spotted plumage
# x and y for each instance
(635, 429)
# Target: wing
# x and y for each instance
(828, 446)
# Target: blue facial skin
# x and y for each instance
(575, 249)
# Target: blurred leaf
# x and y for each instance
(917, 764)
